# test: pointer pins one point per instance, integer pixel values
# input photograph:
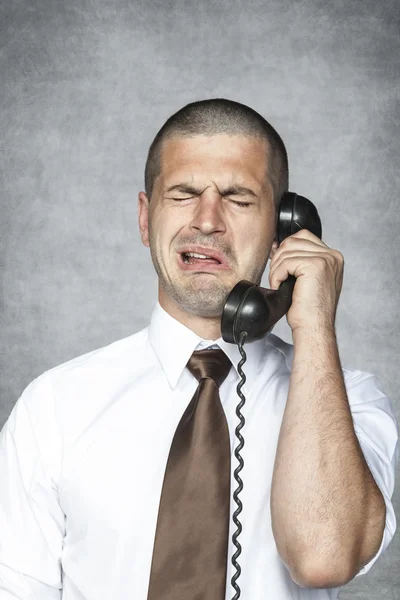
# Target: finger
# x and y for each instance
(297, 263)
(307, 235)
(301, 243)
(297, 247)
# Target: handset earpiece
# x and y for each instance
(255, 310)
(297, 212)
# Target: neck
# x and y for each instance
(208, 328)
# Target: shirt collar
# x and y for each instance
(174, 344)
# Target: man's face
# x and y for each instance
(213, 199)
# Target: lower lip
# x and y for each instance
(207, 267)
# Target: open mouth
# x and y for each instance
(193, 258)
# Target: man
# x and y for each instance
(88, 463)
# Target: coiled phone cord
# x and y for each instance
(238, 448)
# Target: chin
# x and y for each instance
(205, 312)
(202, 302)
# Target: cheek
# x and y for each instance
(252, 240)
(163, 228)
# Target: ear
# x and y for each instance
(143, 212)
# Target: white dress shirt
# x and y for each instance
(84, 451)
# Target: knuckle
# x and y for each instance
(339, 256)
(320, 262)
(289, 241)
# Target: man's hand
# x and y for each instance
(319, 273)
(328, 514)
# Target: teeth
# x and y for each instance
(186, 256)
(195, 255)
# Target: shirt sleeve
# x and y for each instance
(376, 427)
(31, 519)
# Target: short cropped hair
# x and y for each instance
(220, 116)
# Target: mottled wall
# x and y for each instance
(85, 85)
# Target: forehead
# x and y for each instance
(230, 157)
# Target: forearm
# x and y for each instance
(327, 512)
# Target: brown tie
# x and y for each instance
(191, 541)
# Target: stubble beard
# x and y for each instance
(200, 294)
(203, 294)
(201, 300)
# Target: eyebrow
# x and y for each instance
(234, 189)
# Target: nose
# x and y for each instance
(208, 215)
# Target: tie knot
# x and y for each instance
(213, 364)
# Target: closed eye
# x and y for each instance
(244, 204)
(241, 203)
(180, 199)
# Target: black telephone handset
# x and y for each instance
(253, 309)
(249, 313)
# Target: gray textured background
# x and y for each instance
(84, 87)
